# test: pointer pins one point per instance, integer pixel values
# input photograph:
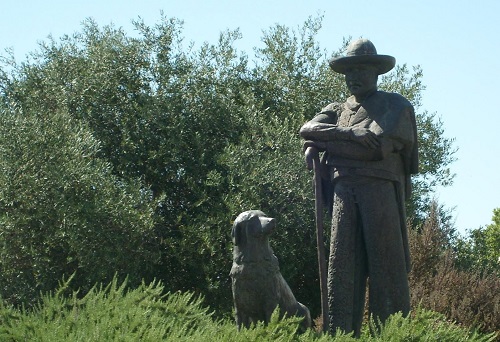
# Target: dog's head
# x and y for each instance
(252, 225)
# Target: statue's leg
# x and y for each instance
(360, 276)
(347, 265)
(379, 208)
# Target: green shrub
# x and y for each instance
(109, 313)
(423, 325)
(113, 313)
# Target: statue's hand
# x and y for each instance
(311, 150)
(364, 137)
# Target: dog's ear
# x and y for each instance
(236, 233)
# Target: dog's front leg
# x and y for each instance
(242, 320)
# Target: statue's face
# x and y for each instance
(361, 79)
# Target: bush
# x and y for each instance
(470, 298)
(107, 313)
(62, 210)
(112, 313)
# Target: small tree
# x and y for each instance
(480, 250)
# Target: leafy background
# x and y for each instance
(131, 155)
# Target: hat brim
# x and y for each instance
(383, 63)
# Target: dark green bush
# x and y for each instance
(62, 210)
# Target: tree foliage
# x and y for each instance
(63, 210)
(133, 154)
(480, 250)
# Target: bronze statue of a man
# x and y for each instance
(370, 150)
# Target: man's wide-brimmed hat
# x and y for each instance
(362, 51)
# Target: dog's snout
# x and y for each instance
(268, 224)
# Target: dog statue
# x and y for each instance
(257, 284)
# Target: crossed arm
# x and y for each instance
(326, 132)
(356, 142)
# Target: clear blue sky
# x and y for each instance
(455, 42)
